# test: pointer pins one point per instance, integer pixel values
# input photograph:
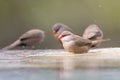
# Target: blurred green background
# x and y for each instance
(18, 16)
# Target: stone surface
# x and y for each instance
(95, 58)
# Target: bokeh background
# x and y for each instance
(18, 16)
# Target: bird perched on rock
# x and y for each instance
(93, 32)
(77, 44)
(30, 38)
(58, 28)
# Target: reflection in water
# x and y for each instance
(44, 65)
(55, 74)
(66, 68)
(70, 69)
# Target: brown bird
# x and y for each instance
(93, 32)
(30, 38)
(77, 44)
(58, 28)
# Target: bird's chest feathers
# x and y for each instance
(68, 43)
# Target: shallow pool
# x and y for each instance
(58, 65)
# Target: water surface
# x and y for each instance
(59, 65)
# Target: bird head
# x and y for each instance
(56, 28)
(63, 35)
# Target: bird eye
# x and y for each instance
(58, 28)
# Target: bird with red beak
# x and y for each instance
(58, 28)
(32, 37)
(92, 32)
(77, 44)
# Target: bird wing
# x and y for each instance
(93, 32)
(25, 36)
(31, 34)
(13, 45)
(79, 41)
(95, 35)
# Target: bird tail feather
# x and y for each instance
(11, 46)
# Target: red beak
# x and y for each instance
(54, 32)
(59, 38)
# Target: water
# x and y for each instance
(28, 74)
(57, 74)
(51, 65)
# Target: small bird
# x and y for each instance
(77, 44)
(58, 28)
(93, 32)
(30, 38)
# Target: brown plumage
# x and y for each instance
(93, 32)
(30, 38)
(77, 44)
